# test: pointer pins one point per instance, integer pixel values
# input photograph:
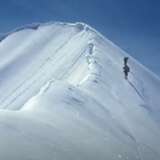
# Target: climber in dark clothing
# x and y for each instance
(126, 68)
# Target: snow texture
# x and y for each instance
(63, 96)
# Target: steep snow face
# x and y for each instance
(63, 96)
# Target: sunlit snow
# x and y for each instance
(63, 96)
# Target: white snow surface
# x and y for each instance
(63, 96)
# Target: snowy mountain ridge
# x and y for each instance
(63, 96)
(35, 26)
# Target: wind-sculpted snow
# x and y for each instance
(63, 96)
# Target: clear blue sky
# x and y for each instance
(134, 25)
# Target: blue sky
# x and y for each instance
(134, 25)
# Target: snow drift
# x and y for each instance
(63, 96)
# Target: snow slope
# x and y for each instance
(63, 96)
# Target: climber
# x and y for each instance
(126, 68)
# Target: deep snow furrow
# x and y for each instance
(40, 67)
(36, 72)
(41, 73)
